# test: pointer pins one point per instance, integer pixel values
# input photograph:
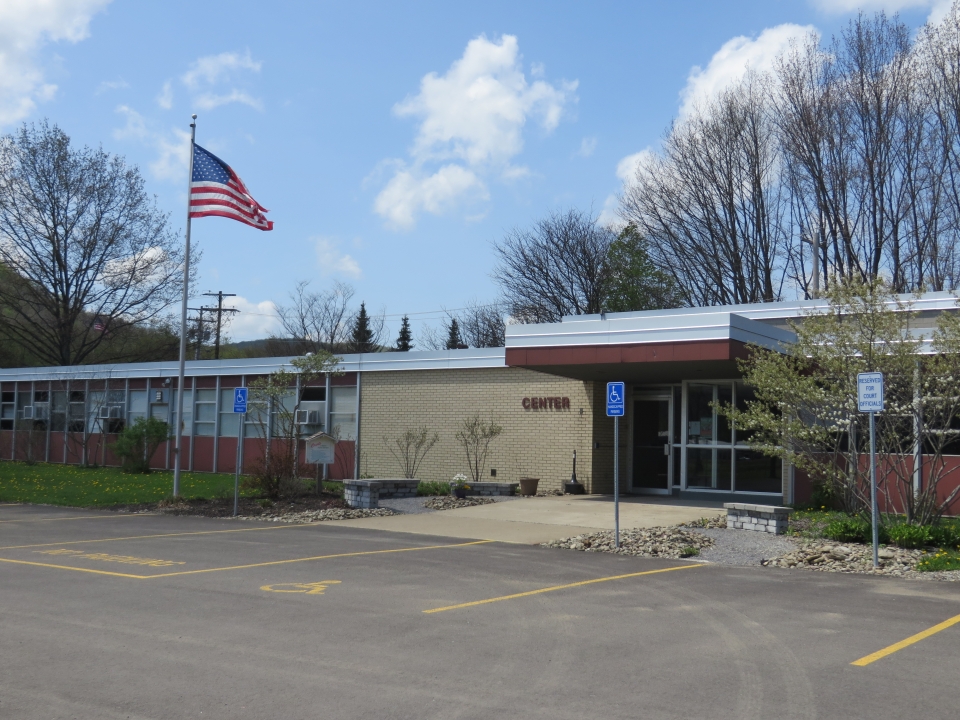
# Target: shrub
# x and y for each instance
(945, 535)
(910, 536)
(849, 530)
(138, 443)
(433, 487)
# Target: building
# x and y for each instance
(546, 389)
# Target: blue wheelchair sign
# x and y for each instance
(240, 400)
(615, 399)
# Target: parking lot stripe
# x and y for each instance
(79, 517)
(67, 567)
(558, 587)
(890, 650)
(159, 535)
(317, 557)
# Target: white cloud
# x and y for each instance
(165, 98)
(172, 146)
(331, 260)
(208, 72)
(254, 321)
(938, 8)
(472, 119)
(25, 27)
(731, 62)
(108, 85)
(409, 193)
(211, 69)
(587, 146)
(626, 172)
(209, 101)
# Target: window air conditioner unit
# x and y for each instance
(104, 413)
(28, 412)
(308, 417)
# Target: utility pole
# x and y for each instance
(200, 311)
(219, 310)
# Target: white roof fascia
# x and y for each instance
(634, 330)
(772, 310)
(365, 362)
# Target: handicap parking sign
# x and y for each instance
(615, 399)
(240, 400)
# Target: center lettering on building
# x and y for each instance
(546, 403)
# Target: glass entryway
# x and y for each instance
(652, 442)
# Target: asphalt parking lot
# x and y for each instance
(140, 616)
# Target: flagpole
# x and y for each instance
(183, 322)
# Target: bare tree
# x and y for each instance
(317, 321)
(86, 251)
(483, 325)
(410, 448)
(712, 206)
(475, 435)
(556, 268)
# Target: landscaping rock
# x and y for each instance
(849, 558)
(665, 542)
(448, 502)
(311, 516)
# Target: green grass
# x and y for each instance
(941, 560)
(75, 486)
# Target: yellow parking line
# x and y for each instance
(243, 567)
(890, 650)
(158, 535)
(558, 587)
(318, 557)
(79, 517)
(67, 567)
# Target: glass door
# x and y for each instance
(651, 445)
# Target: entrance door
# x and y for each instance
(651, 445)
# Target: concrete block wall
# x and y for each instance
(535, 442)
(760, 518)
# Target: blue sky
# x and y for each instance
(392, 142)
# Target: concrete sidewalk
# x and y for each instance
(541, 519)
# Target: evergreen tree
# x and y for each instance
(404, 343)
(362, 336)
(453, 335)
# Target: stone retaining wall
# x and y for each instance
(760, 518)
(367, 493)
(488, 489)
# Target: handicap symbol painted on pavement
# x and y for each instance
(315, 588)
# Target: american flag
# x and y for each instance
(216, 189)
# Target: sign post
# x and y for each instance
(239, 406)
(870, 400)
(615, 408)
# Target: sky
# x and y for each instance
(393, 143)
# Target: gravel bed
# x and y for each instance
(448, 502)
(742, 547)
(406, 506)
(311, 516)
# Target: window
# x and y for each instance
(8, 410)
(206, 420)
(58, 411)
(343, 413)
(138, 405)
(187, 411)
(229, 420)
(718, 455)
(76, 410)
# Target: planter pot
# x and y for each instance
(528, 486)
(460, 493)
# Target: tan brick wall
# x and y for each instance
(534, 443)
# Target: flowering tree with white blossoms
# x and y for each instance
(805, 411)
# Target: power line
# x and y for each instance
(219, 310)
